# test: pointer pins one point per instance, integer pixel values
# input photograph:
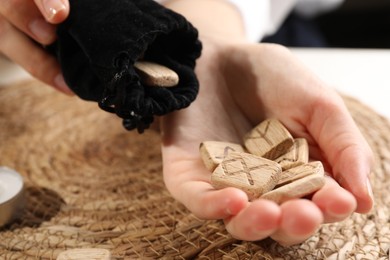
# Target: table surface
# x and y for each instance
(360, 73)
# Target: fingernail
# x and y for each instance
(369, 189)
(52, 8)
(43, 31)
(61, 85)
(228, 211)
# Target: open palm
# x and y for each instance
(241, 85)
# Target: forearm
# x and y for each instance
(215, 19)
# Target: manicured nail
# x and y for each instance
(61, 85)
(52, 8)
(44, 32)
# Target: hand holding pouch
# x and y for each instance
(99, 43)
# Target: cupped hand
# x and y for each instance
(241, 85)
(25, 26)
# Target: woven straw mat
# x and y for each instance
(91, 184)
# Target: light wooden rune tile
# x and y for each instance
(270, 139)
(156, 75)
(299, 172)
(297, 189)
(213, 152)
(298, 154)
(250, 173)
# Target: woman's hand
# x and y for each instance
(241, 85)
(25, 26)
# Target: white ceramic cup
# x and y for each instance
(11, 195)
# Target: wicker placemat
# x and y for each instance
(91, 184)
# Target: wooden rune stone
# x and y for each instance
(252, 174)
(297, 155)
(156, 75)
(213, 152)
(296, 189)
(270, 139)
(299, 172)
(276, 167)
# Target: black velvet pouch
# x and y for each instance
(99, 43)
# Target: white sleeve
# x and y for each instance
(310, 8)
(256, 16)
(263, 17)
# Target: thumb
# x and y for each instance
(344, 147)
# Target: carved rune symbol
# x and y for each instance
(243, 169)
(292, 157)
(225, 152)
(263, 134)
(253, 174)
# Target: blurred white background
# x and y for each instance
(360, 73)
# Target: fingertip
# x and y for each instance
(335, 203)
(365, 207)
(300, 219)
(258, 220)
(219, 204)
(365, 199)
(235, 200)
(362, 192)
(270, 216)
(352, 172)
(60, 16)
(54, 11)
